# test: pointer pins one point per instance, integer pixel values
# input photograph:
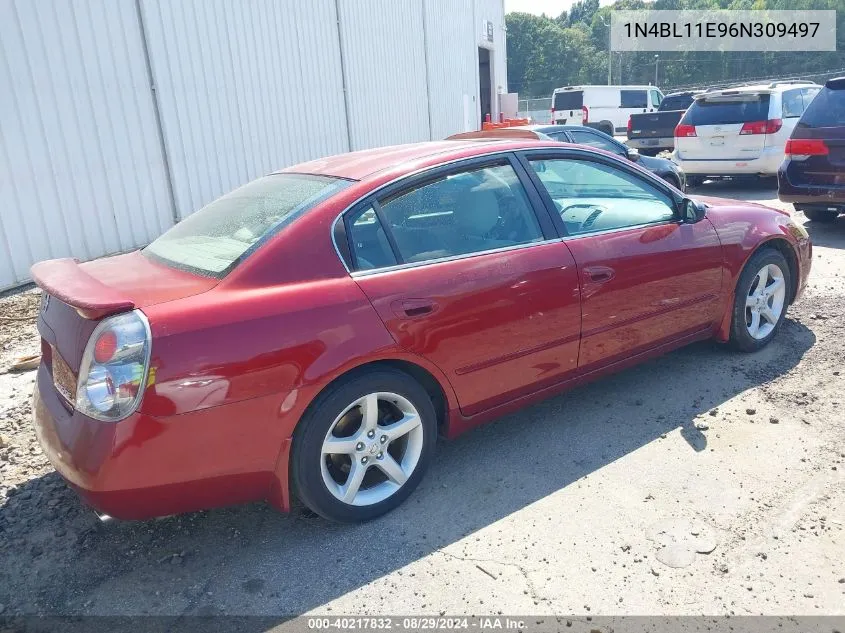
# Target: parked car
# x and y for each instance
(739, 131)
(605, 108)
(812, 175)
(654, 132)
(662, 167)
(313, 331)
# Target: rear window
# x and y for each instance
(678, 102)
(569, 100)
(827, 109)
(732, 110)
(216, 238)
(633, 99)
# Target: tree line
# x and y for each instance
(545, 52)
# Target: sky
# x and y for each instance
(551, 8)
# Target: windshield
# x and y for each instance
(720, 110)
(216, 238)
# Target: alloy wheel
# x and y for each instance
(765, 302)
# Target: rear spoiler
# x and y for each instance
(65, 280)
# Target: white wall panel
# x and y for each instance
(452, 65)
(244, 88)
(81, 170)
(384, 63)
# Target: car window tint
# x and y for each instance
(569, 100)
(809, 94)
(369, 244)
(718, 110)
(633, 99)
(677, 102)
(827, 109)
(592, 196)
(793, 103)
(462, 213)
(585, 137)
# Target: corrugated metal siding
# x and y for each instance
(81, 173)
(238, 83)
(453, 74)
(384, 63)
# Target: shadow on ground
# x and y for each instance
(747, 188)
(253, 560)
(830, 234)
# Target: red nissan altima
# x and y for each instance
(312, 332)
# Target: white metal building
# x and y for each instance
(120, 117)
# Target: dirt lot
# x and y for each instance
(731, 466)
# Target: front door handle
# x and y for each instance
(599, 274)
(405, 308)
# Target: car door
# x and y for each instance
(646, 277)
(463, 271)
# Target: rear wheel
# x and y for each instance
(364, 446)
(606, 127)
(694, 181)
(819, 215)
(760, 300)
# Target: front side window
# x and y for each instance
(633, 98)
(465, 212)
(583, 137)
(592, 196)
(216, 238)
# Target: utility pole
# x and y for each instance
(609, 52)
(656, 62)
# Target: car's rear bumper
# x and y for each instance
(143, 466)
(832, 197)
(767, 163)
(661, 143)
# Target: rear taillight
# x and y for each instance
(802, 148)
(114, 367)
(682, 130)
(761, 127)
(630, 125)
(553, 115)
(586, 112)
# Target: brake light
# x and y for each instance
(630, 125)
(682, 130)
(801, 148)
(105, 347)
(761, 127)
(114, 368)
(586, 111)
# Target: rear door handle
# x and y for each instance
(404, 308)
(599, 274)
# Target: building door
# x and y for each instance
(485, 84)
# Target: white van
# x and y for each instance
(605, 108)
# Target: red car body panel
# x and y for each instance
(235, 363)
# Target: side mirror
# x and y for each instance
(633, 154)
(693, 211)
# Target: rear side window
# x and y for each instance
(721, 110)
(678, 102)
(827, 109)
(370, 246)
(569, 100)
(216, 238)
(793, 103)
(465, 212)
(655, 98)
(633, 98)
(592, 139)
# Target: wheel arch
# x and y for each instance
(783, 246)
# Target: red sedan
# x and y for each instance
(312, 332)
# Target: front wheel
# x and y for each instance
(364, 446)
(760, 300)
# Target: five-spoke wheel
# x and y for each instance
(363, 446)
(762, 294)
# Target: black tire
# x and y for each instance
(694, 181)
(820, 215)
(673, 181)
(306, 475)
(606, 128)
(740, 338)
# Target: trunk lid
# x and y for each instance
(718, 121)
(77, 295)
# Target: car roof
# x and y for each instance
(362, 164)
(768, 88)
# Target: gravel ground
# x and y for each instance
(704, 482)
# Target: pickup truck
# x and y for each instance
(653, 132)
